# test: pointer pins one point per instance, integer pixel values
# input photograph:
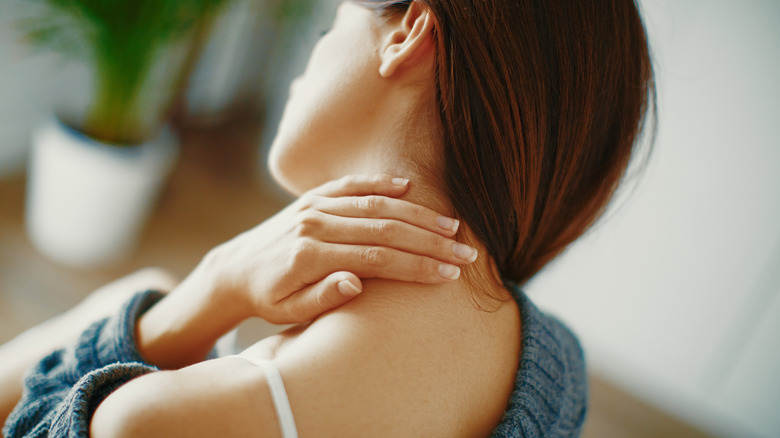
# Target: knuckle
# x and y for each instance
(289, 314)
(374, 256)
(428, 269)
(326, 188)
(272, 315)
(279, 319)
(306, 201)
(384, 230)
(307, 223)
(349, 181)
(419, 215)
(297, 314)
(325, 299)
(302, 253)
(372, 204)
(421, 265)
(363, 204)
(440, 244)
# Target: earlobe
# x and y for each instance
(409, 42)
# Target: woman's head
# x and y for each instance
(539, 106)
(351, 108)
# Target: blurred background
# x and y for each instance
(675, 294)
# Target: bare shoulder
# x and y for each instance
(401, 360)
(414, 360)
(227, 397)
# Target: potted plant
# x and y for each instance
(94, 174)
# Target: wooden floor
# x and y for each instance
(214, 194)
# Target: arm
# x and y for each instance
(304, 261)
(427, 370)
(223, 397)
(205, 398)
(18, 355)
(27, 349)
(60, 389)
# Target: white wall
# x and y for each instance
(26, 88)
(288, 60)
(676, 296)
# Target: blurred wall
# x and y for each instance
(288, 59)
(26, 89)
(677, 295)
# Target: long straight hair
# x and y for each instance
(541, 103)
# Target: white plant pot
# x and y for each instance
(87, 201)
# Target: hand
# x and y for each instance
(309, 258)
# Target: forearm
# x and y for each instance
(20, 354)
(61, 390)
(183, 327)
(23, 352)
(11, 373)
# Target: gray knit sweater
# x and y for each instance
(62, 392)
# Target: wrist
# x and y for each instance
(183, 327)
(213, 277)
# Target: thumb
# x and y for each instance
(330, 292)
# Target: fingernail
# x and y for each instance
(464, 251)
(446, 223)
(400, 182)
(449, 271)
(348, 288)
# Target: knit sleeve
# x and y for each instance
(63, 390)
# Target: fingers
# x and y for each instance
(361, 185)
(329, 293)
(392, 234)
(383, 262)
(389, 208)
(374, 197)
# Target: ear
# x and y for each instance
(409, 42)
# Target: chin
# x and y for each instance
(282, 178)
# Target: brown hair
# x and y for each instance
(542, 104)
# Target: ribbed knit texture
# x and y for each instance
(64, 389)
(551, 388)
(62, 392)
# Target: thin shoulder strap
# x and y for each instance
(278, 394)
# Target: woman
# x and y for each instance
(517, 118)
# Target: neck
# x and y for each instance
(480, 282)
(405, 141)
(410, 147)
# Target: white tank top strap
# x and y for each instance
(278, 394)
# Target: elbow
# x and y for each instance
(115, 418)
(129, 411)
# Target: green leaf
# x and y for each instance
(121, 39)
